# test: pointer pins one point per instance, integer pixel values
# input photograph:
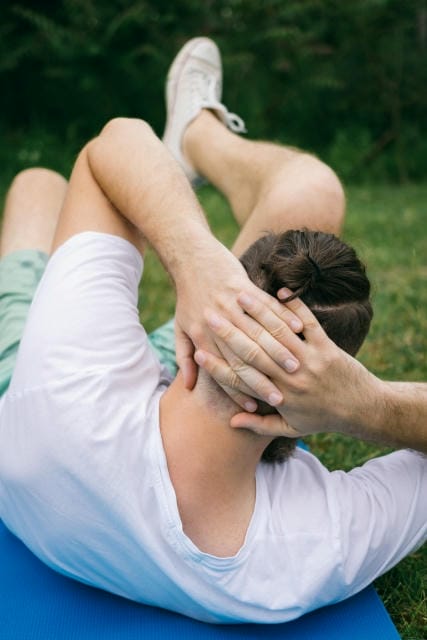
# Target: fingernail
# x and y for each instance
(250, 405)
(290, 365)
(245, 299)
(199, 358)
(284, 293)
(215, 321)
(274, 398)
(296, 325)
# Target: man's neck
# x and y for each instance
(212, 467)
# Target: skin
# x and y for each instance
(330, 391)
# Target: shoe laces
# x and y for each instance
(210, 88)
(234, 122)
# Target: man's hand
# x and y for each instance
(329, 391)
(207, 300)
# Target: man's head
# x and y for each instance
(328, 276)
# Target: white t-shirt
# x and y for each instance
(84, 480)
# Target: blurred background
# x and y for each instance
(344, 79)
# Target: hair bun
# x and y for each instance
(316, 266)
(300, 272)
(317, 270)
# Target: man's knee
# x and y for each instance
(317, 178)
(315, 191)
(37, 178)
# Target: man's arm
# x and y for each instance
(402, 421)
(330, 391)
(128, 176)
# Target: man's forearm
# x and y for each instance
(400, 418)
(146, 185)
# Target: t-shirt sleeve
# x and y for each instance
(382, 515)
(84, 316)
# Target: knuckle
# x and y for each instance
(256, 332)
(251, 354)
(310, 324)
(298, 384)
(257, 307)
(240, 369)
(279, 333)
(193, 328)
(226, 332)
(196, 334)
(301, 385)
(233, 379)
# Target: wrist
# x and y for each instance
(368, 414)
(201, 253)
(185, 250)
(379, 411)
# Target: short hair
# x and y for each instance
(328, 276)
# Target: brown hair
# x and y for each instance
(328, 276)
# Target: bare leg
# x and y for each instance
(269, 187)
(31, 212)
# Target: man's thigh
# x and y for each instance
(86, 208)
(20, 273)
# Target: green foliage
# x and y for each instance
(345, 79)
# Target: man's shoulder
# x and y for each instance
(300, 485)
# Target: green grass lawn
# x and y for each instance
(387, 226)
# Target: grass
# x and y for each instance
(387, 225)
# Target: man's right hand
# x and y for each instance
(329, 391)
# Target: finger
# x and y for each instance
(223, 375)
(184, 358)
(271, 425)
(276, 324)
(313, 331)
(256, 367)
(260, 385)
(277, 307)
(252, 344)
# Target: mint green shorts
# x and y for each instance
(20, 273)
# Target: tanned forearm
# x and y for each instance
(146, 185)
(400, 415)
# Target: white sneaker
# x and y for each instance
(194, 83)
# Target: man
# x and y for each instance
(117, 477)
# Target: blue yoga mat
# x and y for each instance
(38, 604)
